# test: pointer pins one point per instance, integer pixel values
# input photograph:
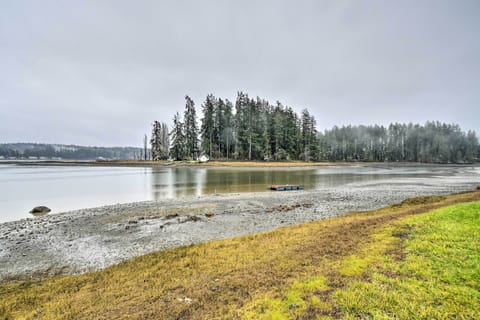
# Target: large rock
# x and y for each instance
(40, 210)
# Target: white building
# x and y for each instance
(203, 158)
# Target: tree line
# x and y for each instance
(249, 129)
(254, 129)
(68, 152)
(434, 142)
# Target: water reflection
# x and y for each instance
(178, 182)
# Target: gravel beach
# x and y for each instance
(91, 239)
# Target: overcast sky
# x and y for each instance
(99, 72)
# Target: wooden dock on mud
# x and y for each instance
(286, 187)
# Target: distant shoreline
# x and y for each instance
(216, 163)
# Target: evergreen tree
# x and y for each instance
(177, 150)
(218, 129)
(268, 133)
(308, 136)
(207, 126)
(227, 135)
(279, 133)
(191, 130)
(250, 117)
(241, 125)
(155, 141)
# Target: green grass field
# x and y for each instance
(418, 260)
(437, 276)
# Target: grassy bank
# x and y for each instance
(420, 259)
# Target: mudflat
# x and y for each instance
(91, 239)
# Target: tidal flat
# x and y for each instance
(91, 239)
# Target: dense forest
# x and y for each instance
(67, 152)
(254, 129)
(433, 142)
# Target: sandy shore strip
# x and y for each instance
(90, 239)
(216, 164)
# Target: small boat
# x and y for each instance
(286, 187)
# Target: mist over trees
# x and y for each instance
(254, 129)
(433, 142)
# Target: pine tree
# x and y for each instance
(177, 150)
(228, 139)
(279, 152)
(269, 133)
(207, 126)
(309, 141)
(250, 129)
(191, 130)
(240, 124)
(155, 141)
(218, 128)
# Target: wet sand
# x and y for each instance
(90, 239)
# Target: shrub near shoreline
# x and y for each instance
(335, 268)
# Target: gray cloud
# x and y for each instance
(98, 72)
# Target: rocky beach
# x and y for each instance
(91, 239)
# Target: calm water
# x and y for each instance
(69, 188)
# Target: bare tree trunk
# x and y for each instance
(145, 147)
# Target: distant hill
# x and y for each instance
(34, 151)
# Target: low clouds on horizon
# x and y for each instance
(99, 72)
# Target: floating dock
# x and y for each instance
(286, 187)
